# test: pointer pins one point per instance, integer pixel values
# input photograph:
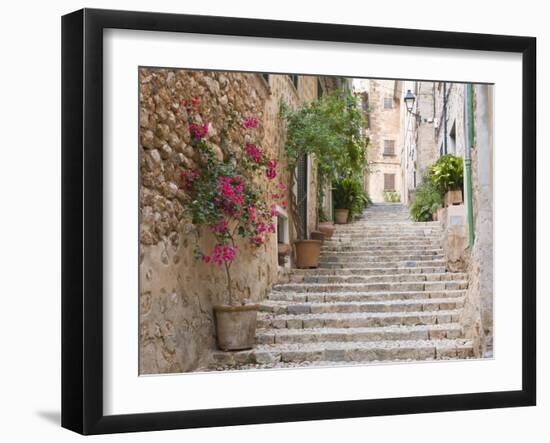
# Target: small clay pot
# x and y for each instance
(283, 249)
(341, 216)
(317, 235)
(327, 228)
(236, 326)
(307, 253)
(453, 197)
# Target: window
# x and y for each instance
(389, 147)
(389, 182)
(388, 102)
(319, 89)
(294, 79)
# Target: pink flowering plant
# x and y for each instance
(227, 196)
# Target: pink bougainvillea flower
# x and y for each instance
(250, 123)
(271, 173)
(254, 152)
(189, 177)
(220, 228)
(198, 132)
(231, 190)
(223, 254)
(206, 258)
(282, 186)
(274, 211)
(195, 101)
(257, 240)
(283, 204)
(271, 169)
(252, 213)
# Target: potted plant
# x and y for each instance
(341, 196)
(325, 226)
(447, 174)
(349, 198)
(426, 200)
(227, 202)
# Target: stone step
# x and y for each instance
(445, 276)
(384, 264)
(390, 225)
(377, 287)
(382, 252)
(356, 320)
(389, 243)
(279, 355)
(350, 247)
(323, 275)
(370, 271)
(430, 304)
(330, 297)
(389, 237)
(357, 259)
(422, 332)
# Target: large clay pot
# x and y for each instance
(327, 228)
(453, 197)
(341, 216)
(236, 326)
(307, 253)
(317, 235)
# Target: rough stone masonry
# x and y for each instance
(177, 292)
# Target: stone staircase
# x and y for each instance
(381, 293)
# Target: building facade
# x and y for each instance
(456, 118)
(417, 135)
(381, 101)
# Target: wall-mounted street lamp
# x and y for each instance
(409, 100)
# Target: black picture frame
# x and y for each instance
(82, 218)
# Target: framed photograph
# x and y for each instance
(269, 221)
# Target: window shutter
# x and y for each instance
(389, 182)
(389, 147)
(301, 195)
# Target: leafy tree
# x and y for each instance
(330, 129)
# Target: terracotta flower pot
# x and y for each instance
(341, 216)
(307, 253)
(453, 197)
(317, 235)
(236, 326)
(327, 228)
(283, 249)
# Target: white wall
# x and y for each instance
(30, 248)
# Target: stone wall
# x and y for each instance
(477, 317)
(455, 118)
(177, 292)
(427, 148)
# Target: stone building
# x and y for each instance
(456, 118)
(381, 102)
(177, 292)
(417, 136)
